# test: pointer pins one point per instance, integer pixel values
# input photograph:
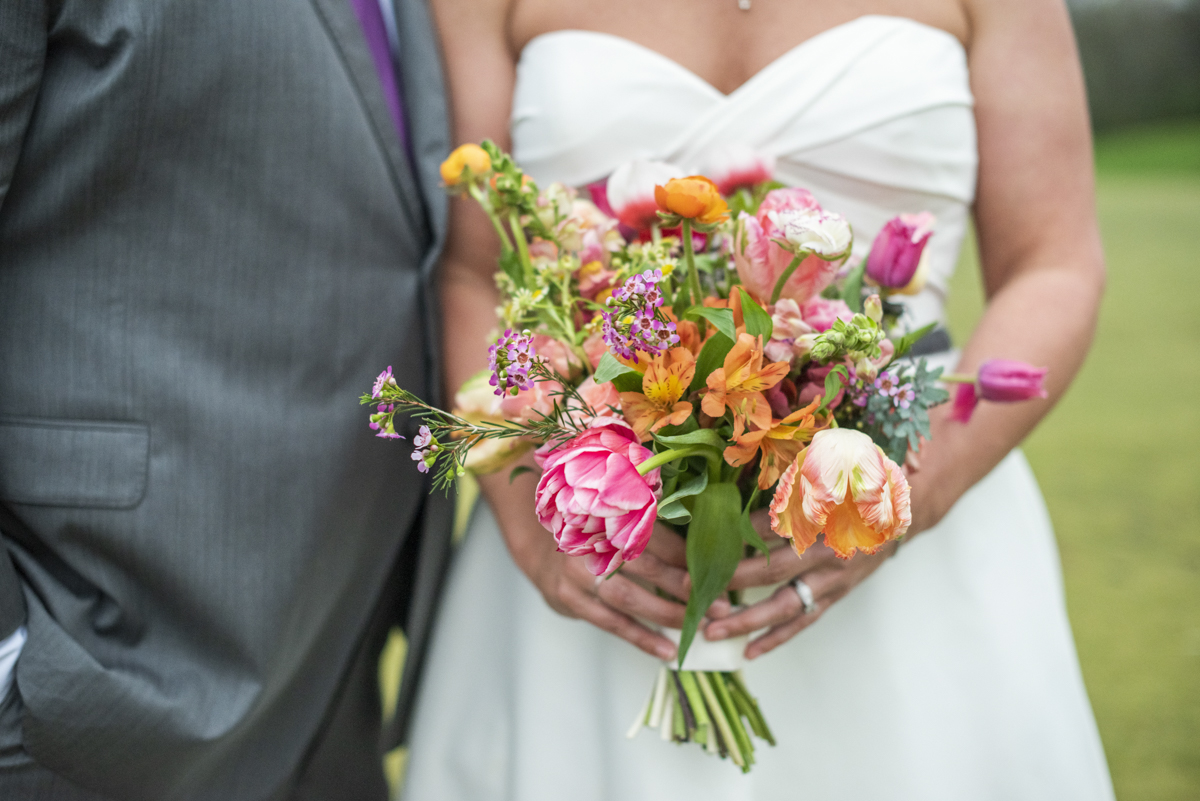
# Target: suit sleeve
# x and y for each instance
(23, 35)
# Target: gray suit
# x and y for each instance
(211, 240)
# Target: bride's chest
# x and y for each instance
(723, 42)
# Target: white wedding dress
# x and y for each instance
(951, 672)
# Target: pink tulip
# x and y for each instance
(999, 381)
(630, 191)
(896, 251)
(844, 486)
(737, 167)
(592, 499)
(760, 260)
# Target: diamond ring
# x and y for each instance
(806, 595)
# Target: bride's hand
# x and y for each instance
(782, 614)
(617, 603)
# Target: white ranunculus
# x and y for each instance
(821, 232)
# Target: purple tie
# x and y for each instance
(371, 19)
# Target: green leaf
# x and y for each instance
(852, 289)
(758, 322)
(750, 536)
(628, 382)
(674, 512)
(510, 262)
(693, 486)
(609, 368)
(714, 548)
(833, 382)
(519, 471)
(721, 318)
(712, 356)
(905, 343)
(701, 436)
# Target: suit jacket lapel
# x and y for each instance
(342, 25)
(428, 118)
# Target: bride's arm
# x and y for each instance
(1043, 272)
(480, 67)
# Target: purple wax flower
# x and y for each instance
(509, 360)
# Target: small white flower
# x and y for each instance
(821, 232)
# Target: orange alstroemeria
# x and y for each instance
(780, 444)
(658, 404)
(695, 197)
(739, 384)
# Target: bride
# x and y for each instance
(948, 672)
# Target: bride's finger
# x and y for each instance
(781, 634)
(783, 605)
(759, 571)
(629, 597)
(668, 546)
(649, 567)
(590, 608)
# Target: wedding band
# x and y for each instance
(806, 595)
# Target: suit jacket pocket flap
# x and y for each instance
(80, 463)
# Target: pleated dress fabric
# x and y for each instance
(951, 672)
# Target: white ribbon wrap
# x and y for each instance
(723, 655)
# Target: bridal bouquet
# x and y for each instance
(687, 350)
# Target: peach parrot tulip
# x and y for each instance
(842, 484)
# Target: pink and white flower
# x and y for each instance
(761, 260)
(734, 167)
(593, 500)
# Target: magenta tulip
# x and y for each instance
(896, 251)
(999, 381)
(1006, 381)
(593, 500)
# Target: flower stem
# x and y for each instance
(693, 274)
(505, 242)
(783, 278)
(659, 459)
(958, 378)
(514, 221)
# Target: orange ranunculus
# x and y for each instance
(844, 486)
(739, 384)
(463, 158)
(658, 404)
(694, 197)
(780, 444)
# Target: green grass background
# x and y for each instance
(1119, 463)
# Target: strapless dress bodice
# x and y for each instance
(874, 116)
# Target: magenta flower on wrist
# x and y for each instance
(594, 501)
(999, 381)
